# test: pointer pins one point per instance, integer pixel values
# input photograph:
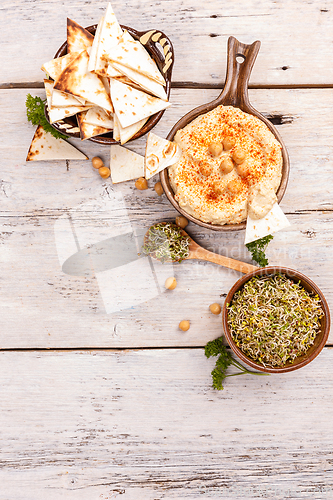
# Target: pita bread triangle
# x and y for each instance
(86, 130)
(46, 147)
(78, 38)
(76, 80)
(274, 221)
(55, 67)
(125, 134)
(109, 37)
(143, 81)
(133, 55)
(93, 51)
(160, 153)
(116, 128)
(97, 116)
(125, 165)
(132, 105)
(55, 113)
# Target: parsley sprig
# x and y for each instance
(224, 360)
(36, 115)
(257, 249)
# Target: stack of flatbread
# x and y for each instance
(109, 81)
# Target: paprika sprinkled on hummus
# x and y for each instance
(222, 184)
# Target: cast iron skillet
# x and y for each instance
(240, 61)
(161, 50)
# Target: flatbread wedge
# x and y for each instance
(125, 134)
(132, 54)
(78, 38)
(109, 37)
(97, 116)
(274, 221)
(46, 147)
(55, 67)
(160, 154)
(60, 100)
(55, 113)
(132, 105)
(125, 165)
(87, 131)
(116, 128)
(94, 47)
(146, 84)
(76, 80)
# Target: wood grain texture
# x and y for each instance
(302, 116)
(296, 36)
(41, 306)
(86, 425)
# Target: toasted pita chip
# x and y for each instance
(132, 105)
(97, 116)
(55, 67)
(56, 114)
(60, 100)
(94, 47)
(143, 81)
(133, 55)
(125, 79)
(116, 128)
(109, 37)
(128, 132)
(160, 154)
(125, 165)
(274, 221)
(76, 80)
(87, 131)
(78, 38)
(111, 72)
(46, 147)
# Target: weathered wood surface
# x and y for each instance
(296, 36)
(85, 425)
(41, 306)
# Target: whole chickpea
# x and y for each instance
(181, 221)
(235, 186)
(97, 162)
(215, 148)
(228, 143)
(158, 188)
(217, 187)
(184, 325)
(141, 184)
(215, 308)
(104, 172)
(205, 169)
(170, 283)
(243, 169)
(238, 156)
(226, 166)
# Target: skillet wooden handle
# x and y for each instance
(241, 58)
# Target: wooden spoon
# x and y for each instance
(199, 253)
(241, 58)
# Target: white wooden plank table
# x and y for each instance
(99, 403)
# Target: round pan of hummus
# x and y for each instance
(234, 162)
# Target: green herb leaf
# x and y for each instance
(257, 249)
(36, 115)
(224, 360)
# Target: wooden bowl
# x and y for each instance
(160, 49)
(241, 58)
(321, 337)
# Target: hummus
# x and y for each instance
(231, 166)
